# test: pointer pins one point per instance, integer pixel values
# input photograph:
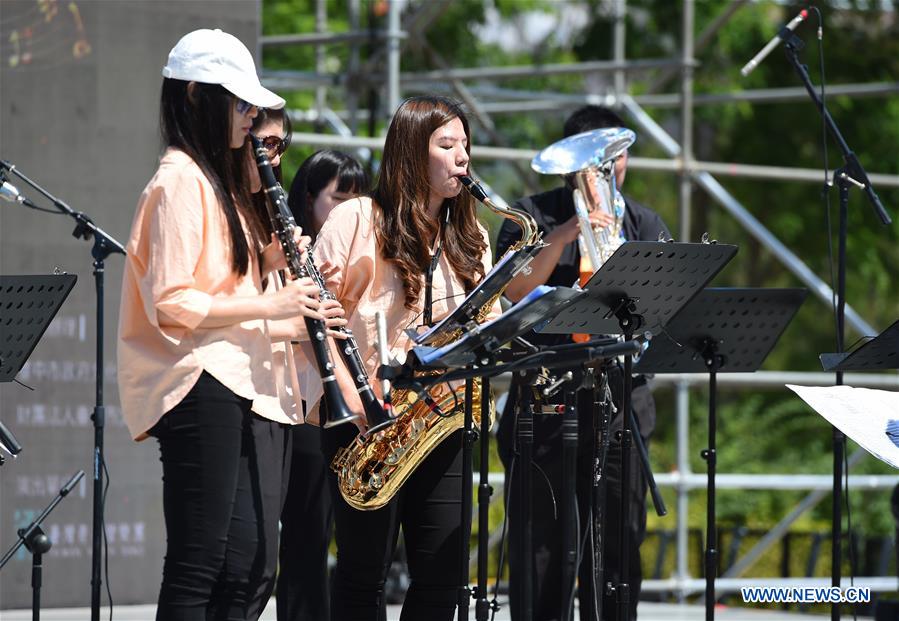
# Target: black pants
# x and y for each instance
(222, 472)
(302, 593)
(546, 506)
(428, 507)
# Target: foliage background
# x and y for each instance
(763, 431)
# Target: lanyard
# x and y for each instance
(429, 276)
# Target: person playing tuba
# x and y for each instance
(559, 263)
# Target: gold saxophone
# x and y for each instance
(374, 467)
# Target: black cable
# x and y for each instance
(852, 559)
(105, 541)
(578, 558)
(825, 193)
(827, 184)
(507, 500)
(54, 212)
(506, 508)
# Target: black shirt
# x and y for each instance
(549, 210)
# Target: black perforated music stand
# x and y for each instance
(641, 287)
(882, 352)
(657, 277)
(720, 330)
(27, 306)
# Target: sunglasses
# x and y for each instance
(275, 145)
(243, 106)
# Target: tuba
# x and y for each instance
(589, 158)
(596, 189)
(374, 467)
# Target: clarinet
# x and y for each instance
(284, 226)
(377, 417)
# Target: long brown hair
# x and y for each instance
(403, 226)
(200, 125)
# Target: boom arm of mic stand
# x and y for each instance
(853, 166)
(104, 243)
(24, 533)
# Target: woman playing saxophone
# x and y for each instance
(416, 240)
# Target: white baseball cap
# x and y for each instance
(216, 57)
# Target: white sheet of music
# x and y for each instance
(860, 413)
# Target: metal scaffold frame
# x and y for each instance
(383, 71)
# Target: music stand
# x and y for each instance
(882, 352)
(478, 347)
(27, 306)
(641, 287)
(720, 330)
(659, 277)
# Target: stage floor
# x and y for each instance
(648, 611)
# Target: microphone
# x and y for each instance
(8, 441)
(773, 43)
(11, 193)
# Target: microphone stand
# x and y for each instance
(103, 246)
(37, 542)
(851, 173)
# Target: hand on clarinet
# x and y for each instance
(334, 318)
(273, 254)
(297, 299)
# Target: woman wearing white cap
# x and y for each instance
(196, 367)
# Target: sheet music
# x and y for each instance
(863, 414)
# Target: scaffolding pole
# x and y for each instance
(394, 35)
(685, 186)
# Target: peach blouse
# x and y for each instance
(346, 254)
(178, 260)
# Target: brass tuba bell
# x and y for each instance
(589, 161)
